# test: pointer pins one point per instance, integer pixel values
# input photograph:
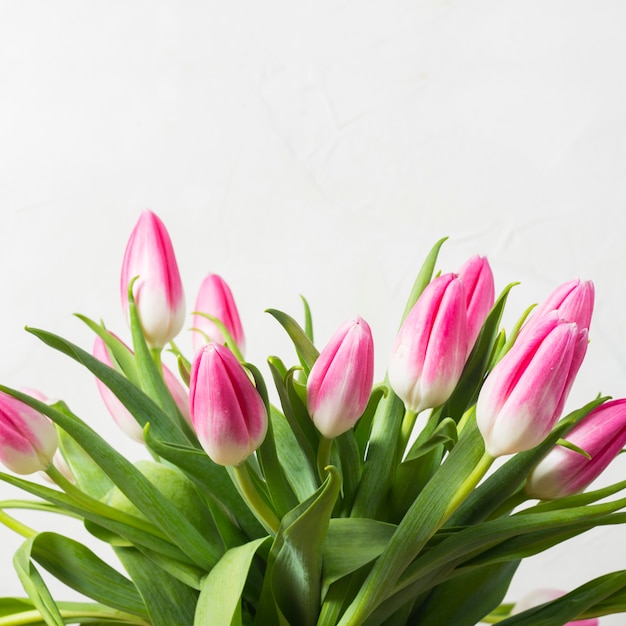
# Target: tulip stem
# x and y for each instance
(156, 357)
(407, 428)
(18, 527)
(323, 456)
(468, 486)
(263, 512)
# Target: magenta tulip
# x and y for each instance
(28, 439)
(216, 299)
(477, 278)
(524, 394)
(430, 350)
(340, 381)
(563, 472)
(227, 411)
(158, 292)
(120, 414)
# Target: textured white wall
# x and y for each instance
(316, 148)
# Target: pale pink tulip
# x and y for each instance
(216, 299)
(477, 278)
(431, 348)
(120, 414)
(158, 292)
(340, 381)
(227, 411)
(28, 439)
(563, 472)
(524, 394)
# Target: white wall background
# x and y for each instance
(316, 148)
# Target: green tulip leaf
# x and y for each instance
(220, 596)
(306, 351)
(167, 600)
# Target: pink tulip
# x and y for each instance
(227, 411)
(28, 439)
(524, 394)
(541, 596)
(430, 350)
(477, 278)
(216, 299)
(158, 292)
(126, 422)
(573, 301)
(340, 381)
(563, 472)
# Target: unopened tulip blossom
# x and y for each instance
(227, 411)
(28, 439)
(524, 394)
(477, 278)
(340, 381)
(431, 348)
(573, 301)
(564, 472)
(216, 299)
(158, 291)
(120, 414)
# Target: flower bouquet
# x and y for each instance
(340, 501)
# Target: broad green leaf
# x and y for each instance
(378, 471)
(300, 425)
(350, 544)
(220, 596)
(34, 585)
(351, 467)
(308, 320)
(296, 466)
(475, 594)
(167, 600)
(307, 352)
(79, 568)
(578, 603)
(418, 525)
(296, 555)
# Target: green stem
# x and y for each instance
(323, 456)
(263, 512)
(408, 423)
(156, 357)
(468, 486)
(18, 527)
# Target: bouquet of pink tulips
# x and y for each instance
(340, 501)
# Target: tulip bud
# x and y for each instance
(28, 439)
(564, 472)
(430, 350)
(477, 278)
(541, 596)
(573, 301)
(122, 417)
(227, 411)
(524, 394)
(340, 381)
(216, 299)
(158, 291)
